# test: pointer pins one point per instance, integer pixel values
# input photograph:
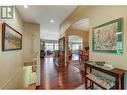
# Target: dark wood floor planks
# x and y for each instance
(62, 78)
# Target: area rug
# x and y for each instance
(75, 64)
(81, 87)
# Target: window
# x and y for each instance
(51, 46)
(75, 46)
(56, 46)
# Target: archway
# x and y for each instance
(75, 43)
(81, 30)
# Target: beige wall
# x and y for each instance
(11, 63)
(99, 15)
(32, 44)
(31, 38)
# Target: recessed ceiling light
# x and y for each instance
(51, 21)
(25, 6)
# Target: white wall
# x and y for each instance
(11, 63)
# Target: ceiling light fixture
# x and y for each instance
(51, 21)
(25, 6)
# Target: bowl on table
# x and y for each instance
(100, 63)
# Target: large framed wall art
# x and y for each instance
(11, 39)
(108, 37)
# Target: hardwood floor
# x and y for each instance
(61, 78)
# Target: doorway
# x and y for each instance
(75, 44)
(77, 40)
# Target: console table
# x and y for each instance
(117, 73)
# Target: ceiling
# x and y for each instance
(82, 25)
(43, 14)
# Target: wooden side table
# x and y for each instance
(117, 73)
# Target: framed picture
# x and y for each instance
(62, 44)
(108, 37)
(11, 39)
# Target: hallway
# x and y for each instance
(62, 78)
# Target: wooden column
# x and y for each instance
(66, 50)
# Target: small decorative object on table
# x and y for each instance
(100, 63)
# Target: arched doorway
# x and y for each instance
(75, 44)
(79, 29)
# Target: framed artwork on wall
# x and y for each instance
(108, 37)
(11, 39)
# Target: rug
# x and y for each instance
(75, 64)
(82, 87)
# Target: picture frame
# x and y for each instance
(108, 37)
(11, 39)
